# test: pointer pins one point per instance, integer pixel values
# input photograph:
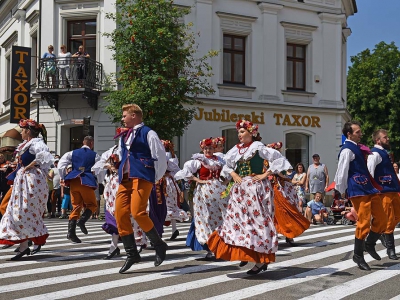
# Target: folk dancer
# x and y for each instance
(352, 174)
(248, 232)
(82, 184)
(143, 162)
(381, 168)
(23, 218)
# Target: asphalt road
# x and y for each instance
(319, 267)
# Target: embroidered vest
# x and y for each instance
(359, 181)
(141, 163)
(384, 173)
(83, 160)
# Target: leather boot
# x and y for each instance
(370, 243)
(81, 223)
(132, 253)
(382, 238)
(159, 245)
(72, 232)
(358, 256)
(391, 252)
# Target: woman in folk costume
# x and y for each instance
(172, 192)
(110, 161)
(248, 232)
(288, 220)
(208, 206)
(219, 146)
(23, 219)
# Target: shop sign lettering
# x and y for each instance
(225, 115)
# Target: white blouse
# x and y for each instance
(192, 166)
(277, 162)
(36, 146)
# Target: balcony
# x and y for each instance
(72, 75)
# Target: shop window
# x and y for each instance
(234, 59)
(76, 136)
(231, 138)
(296, 67)
(82, 32)
(297, 148)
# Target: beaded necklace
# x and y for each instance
(243, 149)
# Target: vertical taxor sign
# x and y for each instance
(20, 83)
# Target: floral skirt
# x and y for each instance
(247, 232)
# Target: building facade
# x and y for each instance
(281, 64)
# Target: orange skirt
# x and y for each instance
(231, 253)
(288, 220)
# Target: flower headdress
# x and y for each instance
(250, 127)
(207, 142)
(26, 123)
(276, 146)
(32, 124)
(219, 140)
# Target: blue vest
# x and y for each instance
(359, 180)
(25, 159)
(384, 173)
(83, 160)
(141, 163)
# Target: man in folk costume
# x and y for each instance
(143, 162)
(352, 174)
(82, 185)
(381, 168)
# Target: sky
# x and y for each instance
(375, 21)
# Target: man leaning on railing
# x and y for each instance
(81, 68)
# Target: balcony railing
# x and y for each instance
(70, 73)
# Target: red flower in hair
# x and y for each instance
(207, 142)
(250, 127)
(219, 140)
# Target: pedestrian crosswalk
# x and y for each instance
(319, 267)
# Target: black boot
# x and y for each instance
(382, 238)
(391, 252)
(370, 243)
(72, 232)
(358, 256)
(82, 221)
(159, 245)
(132, 253)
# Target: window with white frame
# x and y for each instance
(296, 67)
(231, 138)
(234, 59)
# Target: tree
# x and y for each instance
(373, 92)
(158, 68)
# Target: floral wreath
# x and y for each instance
(276, 146)
(207, 142)
(250, 127)
(26, 123)
(219, 140)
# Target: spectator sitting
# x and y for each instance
(316, 211)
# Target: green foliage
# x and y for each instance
(373, 92)
(158, 67)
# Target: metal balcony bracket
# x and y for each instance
(92, 98)
(51, 99)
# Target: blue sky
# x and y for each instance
(375, 21)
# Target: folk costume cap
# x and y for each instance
(219, 140)
(249, 126)
(207, 142)
(32, 124)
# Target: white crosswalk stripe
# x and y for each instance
(63, 270)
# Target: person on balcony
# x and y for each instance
(50, 68)
(63, 66)
(80, 63)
